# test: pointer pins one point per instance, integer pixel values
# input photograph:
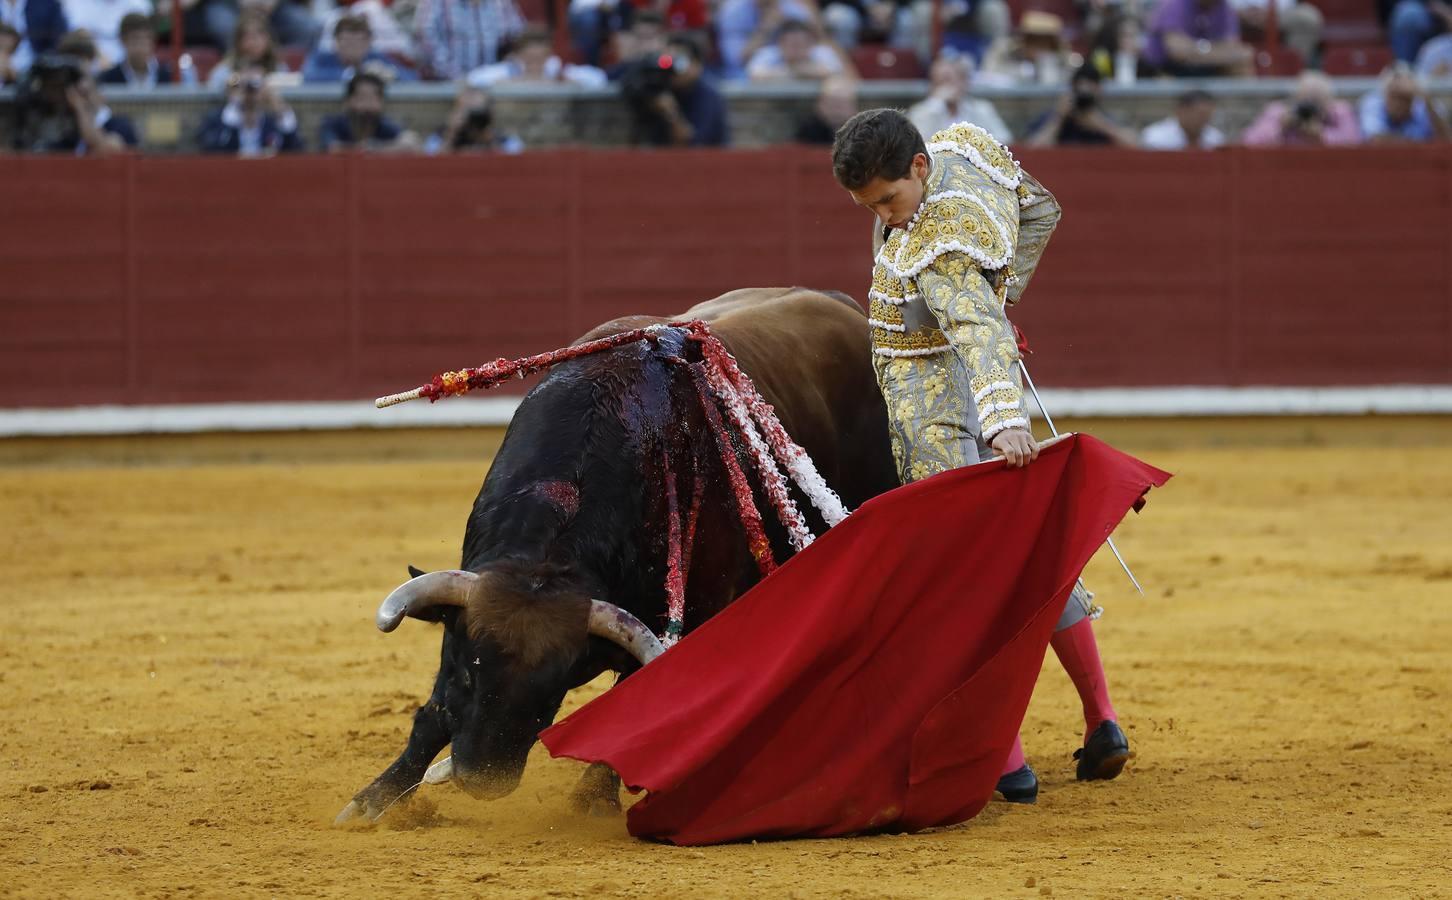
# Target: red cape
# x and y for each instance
(875, 681)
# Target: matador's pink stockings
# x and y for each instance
(1078, 653)
(1015, 757)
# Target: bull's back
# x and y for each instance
(809, 353)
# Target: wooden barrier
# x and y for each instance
(158, 280)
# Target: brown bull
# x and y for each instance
(571, 520)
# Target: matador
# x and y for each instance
(961, 228)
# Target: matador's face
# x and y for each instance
(895, 202)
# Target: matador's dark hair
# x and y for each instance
(875, 143)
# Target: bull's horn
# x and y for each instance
(447, 588)
(618, 626)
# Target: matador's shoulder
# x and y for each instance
(980, 224)
(981, 150)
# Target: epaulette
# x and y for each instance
(982, 150)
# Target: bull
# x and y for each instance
(564, 552)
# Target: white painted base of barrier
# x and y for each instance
(1063, 403)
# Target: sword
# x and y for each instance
(1028, 379)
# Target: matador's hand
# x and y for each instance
(1017, 446)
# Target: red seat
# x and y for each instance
(294, 57)
(1356, 60)
(1282, 62)
(877, 61)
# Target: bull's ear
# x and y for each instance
(415, 571)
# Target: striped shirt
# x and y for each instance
(456, 36)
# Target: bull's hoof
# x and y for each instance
(602, 808)
(363, 809)
(354, 812)
(590, 803)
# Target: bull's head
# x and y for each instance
(518, 639)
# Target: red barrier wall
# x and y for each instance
(145, 280)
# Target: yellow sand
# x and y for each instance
(191, 685)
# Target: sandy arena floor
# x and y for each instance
(191, 686)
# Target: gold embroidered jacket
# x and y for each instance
(940, 285)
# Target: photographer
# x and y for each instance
(362, 124)
(1078, 119)
(254, 122)
(471, 128)
(1311, 117)
(671, 101)
(1401, 112)
(59, 110)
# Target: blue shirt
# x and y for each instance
(1374, 121)
(325, 66)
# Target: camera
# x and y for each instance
(1308, 111)
(1084, 101)
(55, 68)
(646, 79)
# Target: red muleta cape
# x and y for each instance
(875, 681)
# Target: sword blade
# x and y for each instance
(1028, 379)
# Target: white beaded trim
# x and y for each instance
(899, 327)
(970, 153)
(991, 408)
(893, 301)
(995, 386)
(989, 433)
(920, 351)
(938, 249)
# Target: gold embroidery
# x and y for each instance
(920, 340)
(884, 312)
(992, 152)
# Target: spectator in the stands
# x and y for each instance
(1300, 24)
(252, 47)
(60, 110)
(1401, 112)
(471, 128)
(672, 102)
(1036, 54)
(363, 125)
(9, 45)
(389, 37)
(798, 53)
(458, 36)
(101, 19)
(290, 20)
(1198, 39)
(352, 51)
(950, 101)
(745, 26)
(1311, 117)
(139, 66)
(1079, 119)
(533, 60)
(1118, 50)
(593, 22)
(1188, 129)
(254, 120)
(1414, 22)
(969, 26)
(1434, 60)
(836, 103)
(646, 37)
(79, 46)
(40, 24)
